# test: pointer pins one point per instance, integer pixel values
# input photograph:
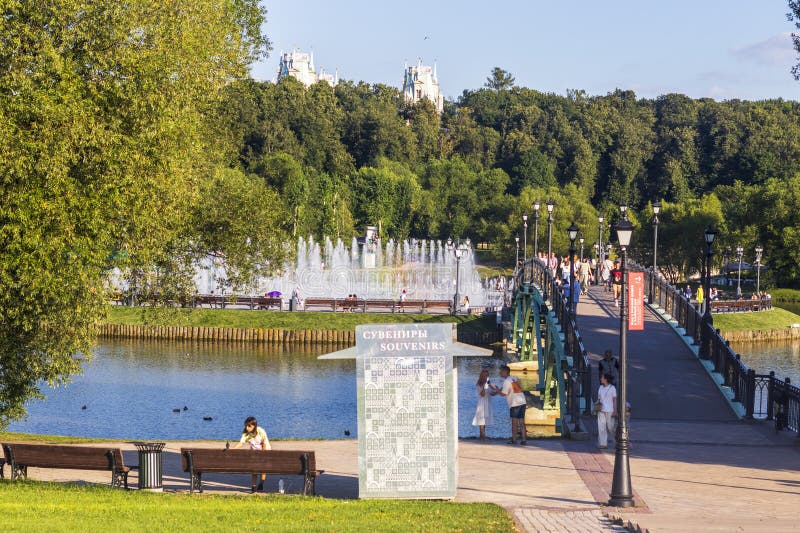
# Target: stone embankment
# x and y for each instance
(759, 335)
(258, 335)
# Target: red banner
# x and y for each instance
(635, 301)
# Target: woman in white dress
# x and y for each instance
(483, 411)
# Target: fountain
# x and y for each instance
(369, 268)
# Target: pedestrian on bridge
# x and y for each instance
(608, 365)
(607, 411)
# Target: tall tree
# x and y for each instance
(500, 80)
(103, 141)
(794, 16)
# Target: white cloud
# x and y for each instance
(776, 50)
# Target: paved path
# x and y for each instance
(694, 466)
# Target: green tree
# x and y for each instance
(499, 80)
(794, 16)
(103, 140)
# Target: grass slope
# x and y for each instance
(237, 318)
(775, 319)
(37, 506)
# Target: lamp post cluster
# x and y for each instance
(759, 251)
(572, 233)
(621, 489)
(708, 320)
(656, 211)
(600, 255)
(739, 252)
(459, 251)
(525, 238)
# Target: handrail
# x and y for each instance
(578, 375)
(762, 396)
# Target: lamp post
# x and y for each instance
(536, 206)
(572, 233)
(581, 241)
(708, 320)
(759, 251)
(459, 251)
(600, 256)
(550, 206)
(621, 489)
(656, 211)
(525, 238)
(739, 252)
(516, 262)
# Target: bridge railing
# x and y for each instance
(579, 375)
(762, 396)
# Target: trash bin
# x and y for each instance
(150, 465)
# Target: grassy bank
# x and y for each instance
(774, 319)
(236, 318)
(7, 436)
(30, 506)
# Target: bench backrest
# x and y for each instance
(248, 461)
(63, 456)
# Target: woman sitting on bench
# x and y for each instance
(256, 437)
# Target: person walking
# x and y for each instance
(616, 282)
(585, 275)
(700, 299)
(608, 365)
(607, 411)
(483, 409)
(256, 438)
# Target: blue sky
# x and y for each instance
(721, 49)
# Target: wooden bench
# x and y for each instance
(22, 455)
(328, 303)
(209, 299)
(256, 302)
(199, 461)
(439, 304)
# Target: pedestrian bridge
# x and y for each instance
(549, 349)
(679, 367)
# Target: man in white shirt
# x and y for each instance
(516, 404)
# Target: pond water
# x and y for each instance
(130, 389)
(781, 356)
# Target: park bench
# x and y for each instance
(211, 300)
(199, 461)
(438, 304)
(256, 302)
(351, 305)
(328, 303)
(20, 456)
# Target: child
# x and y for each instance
(257, 439)
(516, 404)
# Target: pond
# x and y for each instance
(781, 356)
(130, 389)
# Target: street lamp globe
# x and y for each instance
(536, 206)
(656, 207)
(525, 217)
(572, 232)
(623, 208)
(582, 240)
(550, 205)
(624, 232)
(710, 234)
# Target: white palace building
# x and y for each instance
(419, 81)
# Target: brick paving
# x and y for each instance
(543, 520)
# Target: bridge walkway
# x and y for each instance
(666, 381)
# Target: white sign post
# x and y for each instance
(407, 411)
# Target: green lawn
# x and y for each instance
(775, 319)
(7, 436)
(37, 506)
(237, 318)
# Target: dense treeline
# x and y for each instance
(357, 154)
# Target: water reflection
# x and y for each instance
(130, 389)
(781, 356)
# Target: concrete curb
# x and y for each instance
(737, 408)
